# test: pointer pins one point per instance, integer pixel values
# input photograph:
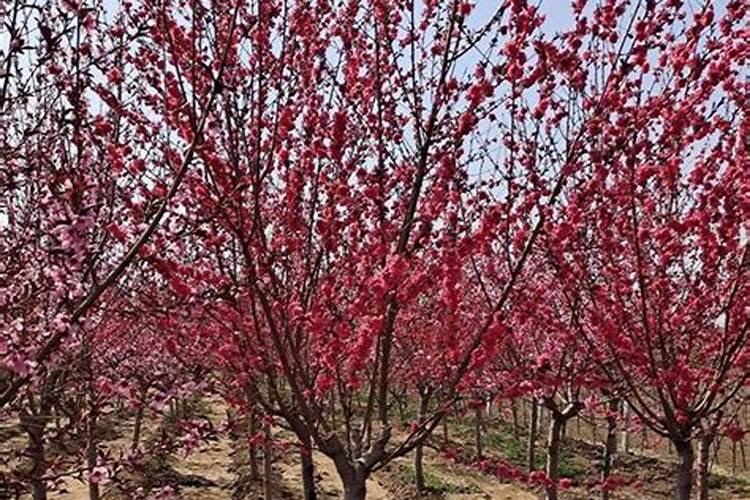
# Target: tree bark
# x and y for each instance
(556, 423)
(625, 434)
(610, 446)
(34, 426)
(419, 449)
(419, 468)
(446, 436)
(704, 448)
(708, 435)
(353, 477)
(91, 451)
(684, 480)
(478, 431)
(531, 445)
(308, 471)
(137, 426)
(252, 449)
(355, 484)
(355, 490)
(267, 463)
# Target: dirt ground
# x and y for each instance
(217, 469)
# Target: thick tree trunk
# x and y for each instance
(684, 480)
(353, 478)
(610, 445)
(308, 471)
(531, 445)
(35, 427)
(556, 424)
(355, 490)
(419, 449)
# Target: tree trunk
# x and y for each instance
(556, 423)
(355, 490)
(308, 471)
(419, 468)
(355, 484)
(478, 431)
(91, 451)
(332, 409)
(267, 462)
(35, 427)
(56, 418)
(353, 477)
(419, 449)
(610, 446)
(446, 437)
(704, 449)
(684, 481)
(625, 434)
(531, 445)
(252, 449)
(708, 435)
(137, 426)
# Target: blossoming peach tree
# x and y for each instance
(321, 201)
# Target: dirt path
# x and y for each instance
(490, 489)
(212, 461)
(483, 487)
(211, 464)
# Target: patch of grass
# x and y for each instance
(718, 481)
(408, 413)
(715, 482)
(461, 431)
(434, 483)
(572, 465)
(512, 448)
(501, 440)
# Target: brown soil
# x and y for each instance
(217, 470)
